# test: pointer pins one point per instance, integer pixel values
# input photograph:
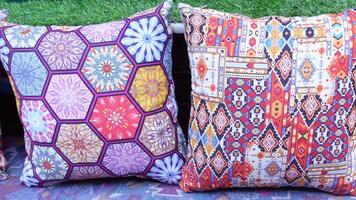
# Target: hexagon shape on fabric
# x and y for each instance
(49, 165)
(126, 158)
(28, 73)
(107, 68)
(106, 32)
(79, 143)
(87, 172)
(68, 96)
(115, 117)
(150, 87)
(158, 133)
(145, 39)
(23, 36)
(38, 121)
(62, 50)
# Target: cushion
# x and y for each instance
(273, 101)
(97, 100)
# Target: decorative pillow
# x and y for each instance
(273, 101)
(97, 100)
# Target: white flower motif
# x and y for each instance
(169, 170)
(145, 39)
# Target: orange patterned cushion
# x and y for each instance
(273, 101)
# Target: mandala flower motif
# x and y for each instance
(115, 117)
(150, 87)
(38, 121)
(107, 68)
(24, 36)
(62, 50)
(87, 172)
(4, 54)
(126, 158)
(49, 165)
(68, 96)
(105, 32)
(144, 39)
(79, 143)
(28, 73)
(168, 170)
(158, 133)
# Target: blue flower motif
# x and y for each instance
(169, 170)
(4, 54)
(48, 164)
(29, 73)
(145, 39)
(107, 68)
(23, 36)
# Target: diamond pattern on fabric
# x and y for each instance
(97, 100)
(283, 93)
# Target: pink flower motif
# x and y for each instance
(68, 96)
(38, 121)
(115, 117)
(105, 32)
(62, 50)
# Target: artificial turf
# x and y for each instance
(80, 12)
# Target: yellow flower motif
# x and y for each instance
(150, 87)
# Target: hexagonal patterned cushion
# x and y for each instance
(273, 101)
(97, 100)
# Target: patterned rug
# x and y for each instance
(133, 189)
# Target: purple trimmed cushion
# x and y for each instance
(98, 100)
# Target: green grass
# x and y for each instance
(80, 12)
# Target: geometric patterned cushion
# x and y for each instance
(97, 100)
(273, 101)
